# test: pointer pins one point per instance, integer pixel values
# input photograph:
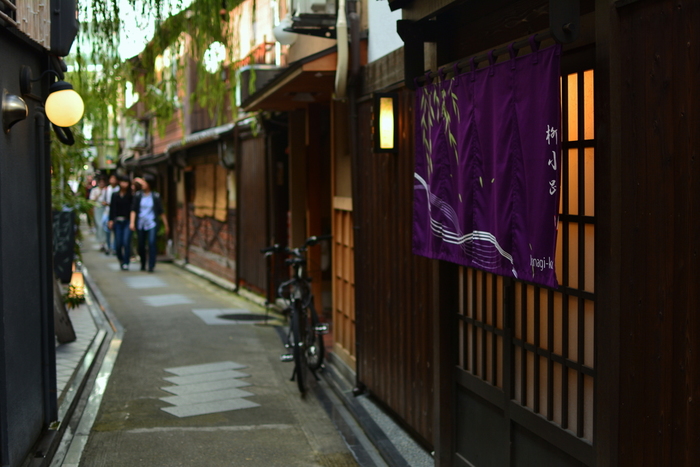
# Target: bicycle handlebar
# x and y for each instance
(271, 249)
(311, 241)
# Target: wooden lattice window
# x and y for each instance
(8, 12)
(344, 282)
(533, 343)
(211, 191)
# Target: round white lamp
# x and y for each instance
(64, 107)
(282, 36)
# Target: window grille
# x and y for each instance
(533, 343)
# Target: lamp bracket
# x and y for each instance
(26, 80)
(64, 135)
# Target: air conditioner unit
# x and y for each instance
(314, 17)
(315, 7)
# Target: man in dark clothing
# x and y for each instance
(119, 217)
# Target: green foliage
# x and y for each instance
(67, 163)
(74, 296)
(101, 74)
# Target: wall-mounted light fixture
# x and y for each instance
(64, 107)
(281, 35)
(14, 110)
(386, 128)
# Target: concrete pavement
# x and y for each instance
(175, 372)
(190, 388)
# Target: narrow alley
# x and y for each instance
(196, 381)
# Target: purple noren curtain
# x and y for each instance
(488, 164)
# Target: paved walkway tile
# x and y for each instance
(203, 377)
(144, 282)
(210, 407)
(208, 388)
(166, 300)
(204, 387)
(210, 396)
(69, 355)
(206, 368)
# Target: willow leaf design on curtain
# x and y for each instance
(441, 103)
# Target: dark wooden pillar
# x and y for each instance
(608, 172)
(445, 305)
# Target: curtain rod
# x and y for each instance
(466, 64)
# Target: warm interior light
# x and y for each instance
(386, 123)
(77, 285)
(64, 107)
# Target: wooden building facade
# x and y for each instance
(204, 232)
(482, 369)
(34, 35)
(600, 371)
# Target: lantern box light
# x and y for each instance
(386, 129)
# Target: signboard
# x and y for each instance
(488, 164)
(63, 244)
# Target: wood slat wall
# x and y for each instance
(172, 134)
(655, 110)
(34, 19)
(252, 208)
(394, 331)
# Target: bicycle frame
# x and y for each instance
(305, 336)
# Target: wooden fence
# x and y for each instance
(394, 287)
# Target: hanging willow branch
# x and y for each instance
(101, 75)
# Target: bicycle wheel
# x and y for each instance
(298, 346)
(315, 348)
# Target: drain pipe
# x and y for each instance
(353, 125)
(341, 72)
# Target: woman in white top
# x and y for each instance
(106, 198)
(96, 195)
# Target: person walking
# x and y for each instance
(119, 221)
(146, 210)
(88, 187)
(109, 190)
(96, 196)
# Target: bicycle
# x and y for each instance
(305, 335)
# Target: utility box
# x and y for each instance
(315, 7)
(64, 26)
